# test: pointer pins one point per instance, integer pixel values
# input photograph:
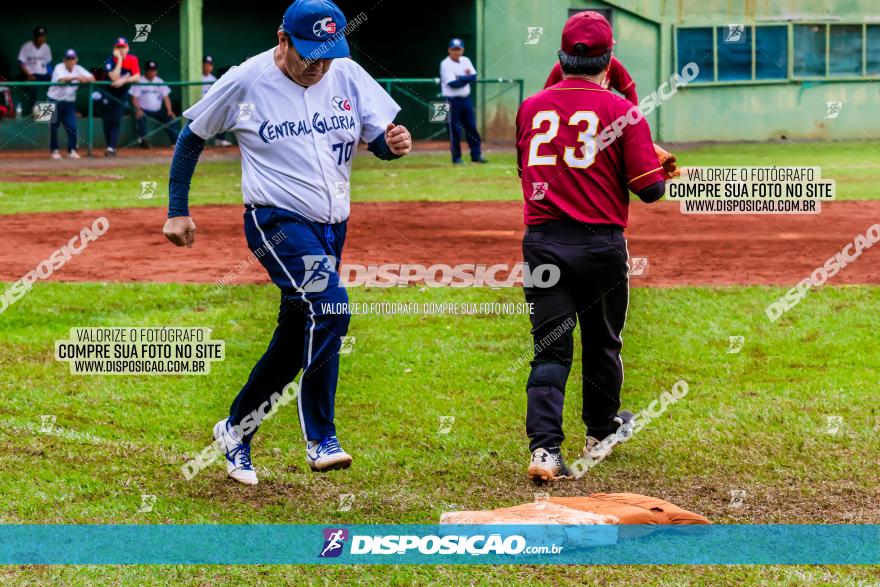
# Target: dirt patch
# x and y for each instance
(15, 162)
(41, 177)
(32, 160)
(681, 250)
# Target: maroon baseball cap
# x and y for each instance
(590, 29)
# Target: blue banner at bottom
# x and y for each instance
(441, 544)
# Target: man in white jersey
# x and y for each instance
(154, 102)
(457, 73)
(71, 72)
(297, 111)
(209, 78)
(34, 59)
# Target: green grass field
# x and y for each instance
(755, 421)
(425, 176)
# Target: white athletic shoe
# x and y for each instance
(222, 143)
(548, 465)
(73, 155)
(56, 154)
(596, 450)
(238, 454)
(327, 455)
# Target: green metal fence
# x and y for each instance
(416, 97)
(90, 88)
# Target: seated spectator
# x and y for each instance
(34, 59)
(152, 102)
(64, 98)
(7, 107)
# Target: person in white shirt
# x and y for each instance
(64, 98)
(298, 111)
(34, 58)
(151, 101)
(457, 73)
(209, 78)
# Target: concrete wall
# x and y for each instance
(506, 54)
(644, 30)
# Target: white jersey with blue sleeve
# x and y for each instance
(449, 72)
(296, 142)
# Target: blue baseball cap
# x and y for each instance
(315, 27)
(120, 42)
(456, 44)
(70, 54)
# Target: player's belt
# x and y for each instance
(573, 230)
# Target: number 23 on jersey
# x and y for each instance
(579, 156)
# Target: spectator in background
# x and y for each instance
(123, 69)
(64, 97)
(7, 108)
(34, 58)
(457, 73)
(152, 102)
(209, 78)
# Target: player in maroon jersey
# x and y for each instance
(581, 149)
(617, 78)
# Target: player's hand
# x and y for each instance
(118, 83)
(398, 139)
(667, 161)
(117, 53)
(180, 230)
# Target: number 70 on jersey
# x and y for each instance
(345, 151)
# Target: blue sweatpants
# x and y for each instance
(302, 258)
(112, 115)
(65, 115)
(461, 115)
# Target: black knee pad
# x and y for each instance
(548, 374)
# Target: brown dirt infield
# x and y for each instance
(41, 177)
(681, 249)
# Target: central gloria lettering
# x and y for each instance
(273, 131)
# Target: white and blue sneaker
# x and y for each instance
(548, 465)
(596, 450)
(327, 455)
(238, 454)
